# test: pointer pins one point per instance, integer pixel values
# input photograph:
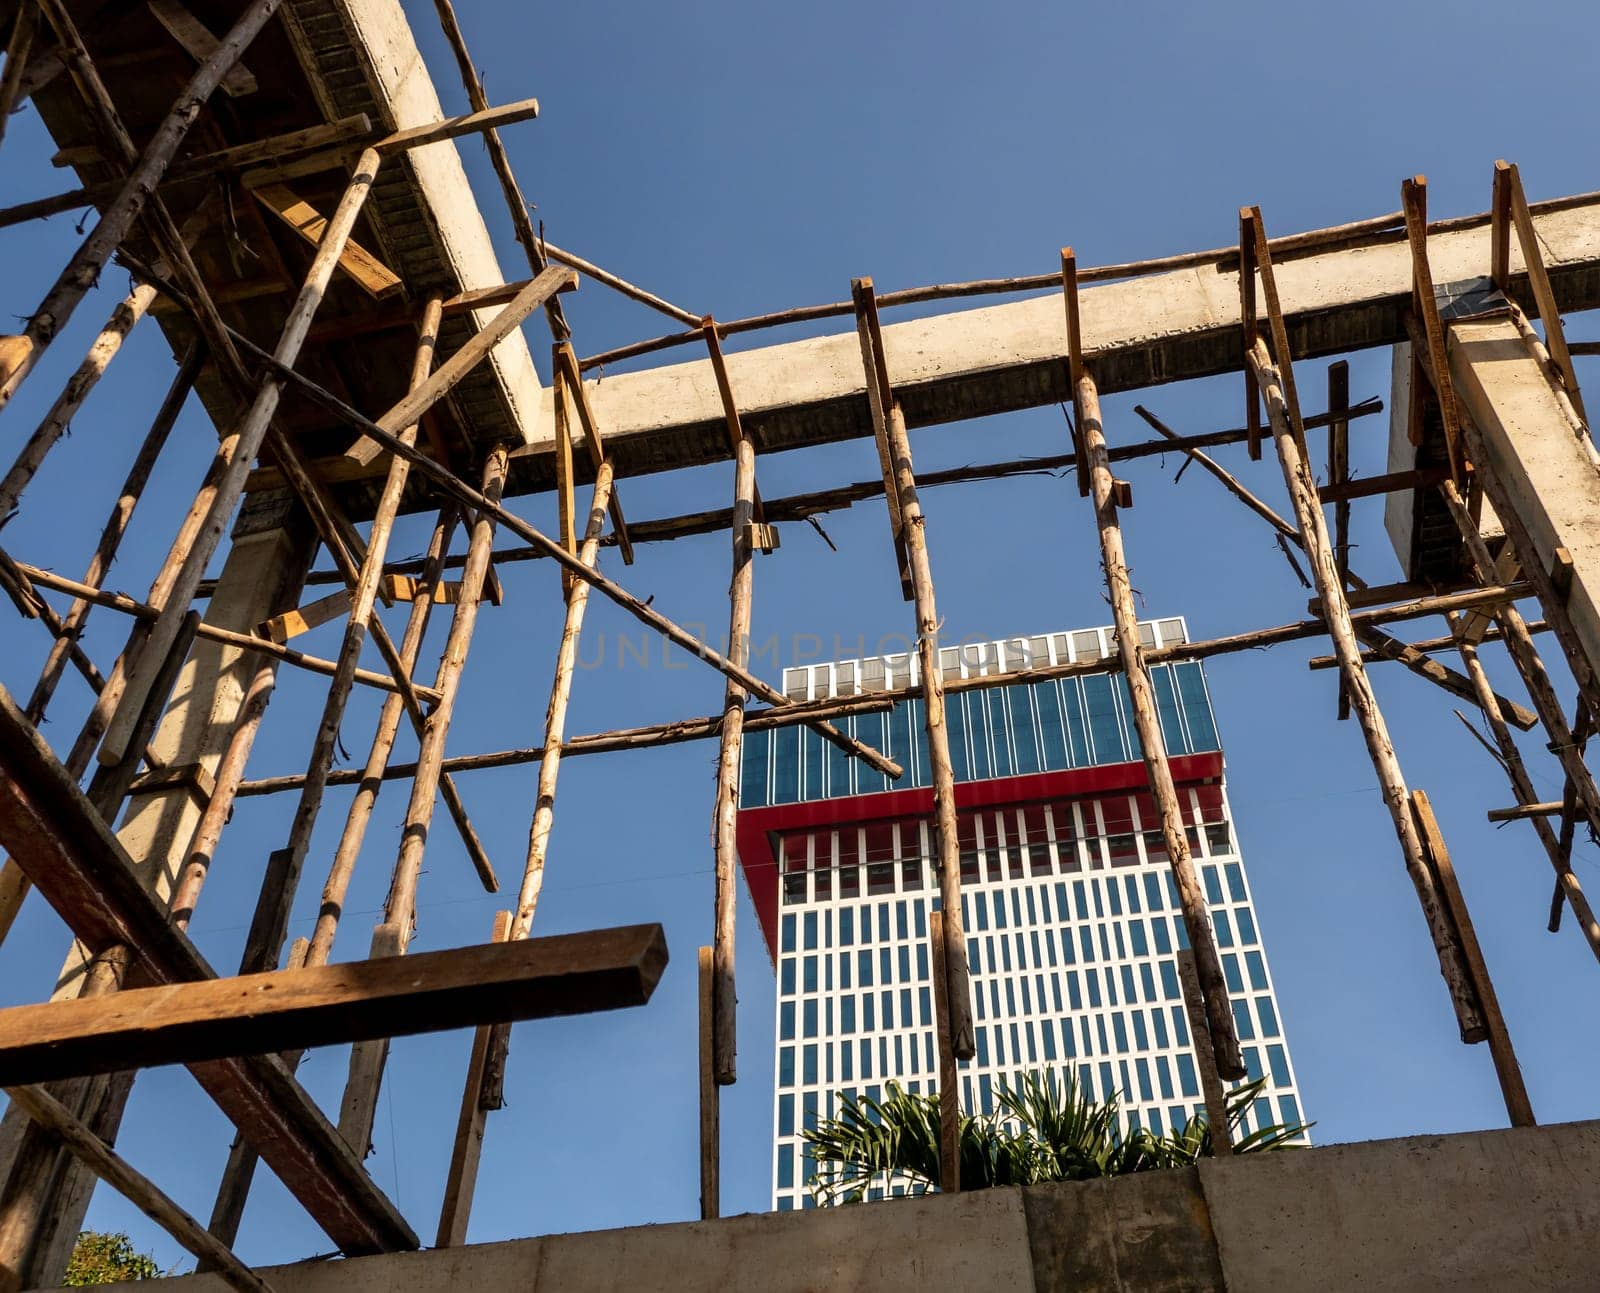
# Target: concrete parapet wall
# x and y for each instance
(1481, 1211)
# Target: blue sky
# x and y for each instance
(739, 158)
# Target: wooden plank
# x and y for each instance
(280, 628)
(1506, 1067)
(1248, 222)
(462, 1178)
(78, 866)
(184, 1023)
(710, 1094)
(454, 127)
(1389, 483)
(1069, 281)
(137, 1188)
(1500, 228)
(197, 39)
(371, 274)
(1414, 200)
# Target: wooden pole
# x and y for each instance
(1104, 490)
(19, 46)
(702, 728)
(399, 911)
(894, 449)
(14, 883)
(1339, 474)
(134, 1186)
(949, 1078)
(521, 222)
(1380, 644)
(725, 813)
(1216, 1099)
(710, 1093)
(555, 717)
(1567, 882)
(462, 1178)
(1506, 1067)
(56, 420)
(1520, 646)
(1336, 613)
(83, 270)
(243, 443)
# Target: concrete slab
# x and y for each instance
(963, 1242)
(1144, 1234)
(1494, 1210)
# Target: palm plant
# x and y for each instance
(1044, 1128)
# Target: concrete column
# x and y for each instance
(1539, 453)
(264, 572)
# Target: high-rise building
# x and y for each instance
(1072, 919)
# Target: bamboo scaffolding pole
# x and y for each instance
(725, 811)
(55, 422)
(377, 769)
(1380, 645)
(116, 526)
(461, 1178)
(233, 1190)
(149, 612)
(134, 1186)
(894, 450)
(14, 884)
(367, 1059)
(244, 441)
(694, 729)
(1567, 883)
(555, 718)
(24, 29)
(1520, 646)
(1504, 1056)
(1341, 628)
(83, 270)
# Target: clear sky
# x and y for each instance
(738, 158)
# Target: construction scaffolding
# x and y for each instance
(282, 133)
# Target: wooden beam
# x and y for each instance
(1249, 219)
(1506, 1067)
(1414, 201)
(134, 1186)
(949, 1077)
(1390, 483)
(710, 1093)
(462, 1177)
(83, 872)
(370, 274)
(19, 45)
(199, 43)
(471, 123)
(326, 1005)
(1284, 418)
(566, 362)
(1211, 1089)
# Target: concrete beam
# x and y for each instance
(1483, 1211)
(970, 363)
(1536, 452)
